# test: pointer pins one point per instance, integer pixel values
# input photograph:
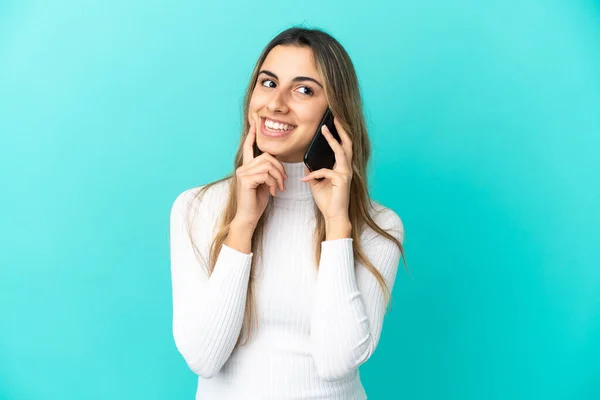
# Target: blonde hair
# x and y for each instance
(343, 96)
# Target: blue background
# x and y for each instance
(485, 122)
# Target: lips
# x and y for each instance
(265, 131)
(276, 120)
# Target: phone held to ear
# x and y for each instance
(319, 153)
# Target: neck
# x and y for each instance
(295, 188)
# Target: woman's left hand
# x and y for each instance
(332, 194)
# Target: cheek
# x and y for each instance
(311, 128)
(306, 136)
(252, 106)
(310, 119)
(258, 99)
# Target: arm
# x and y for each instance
(348, 308)
(207, 311)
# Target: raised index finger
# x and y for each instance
(249, 144)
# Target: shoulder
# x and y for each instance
(207, 199)
(197, 210)
(387, 219)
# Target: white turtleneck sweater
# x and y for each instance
(315, 326)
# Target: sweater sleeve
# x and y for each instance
(208, 310)
(349, 308)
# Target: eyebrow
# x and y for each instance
(296, 79)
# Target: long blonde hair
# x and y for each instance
(343, 96)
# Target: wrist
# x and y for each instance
(338, 228)
(240, 236)
(242, 226)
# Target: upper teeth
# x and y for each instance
(277, 125)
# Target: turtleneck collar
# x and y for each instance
(295, 188)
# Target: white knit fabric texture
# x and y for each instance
(315, 326)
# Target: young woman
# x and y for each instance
(281, 277)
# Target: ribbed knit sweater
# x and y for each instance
(316, 323)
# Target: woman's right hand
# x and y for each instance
(257, 179)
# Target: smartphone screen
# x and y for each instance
(319, 153)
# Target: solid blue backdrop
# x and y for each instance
(485, 126)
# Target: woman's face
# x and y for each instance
(288, 91)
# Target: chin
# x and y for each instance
(274, 149)
(271, 148)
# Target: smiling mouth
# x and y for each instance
(276, 125)
(274, 132)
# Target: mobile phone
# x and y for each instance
(319, 153)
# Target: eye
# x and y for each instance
(265, 80)
(309, 91)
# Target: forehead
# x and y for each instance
(288, 62)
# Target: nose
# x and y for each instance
(277, 103)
